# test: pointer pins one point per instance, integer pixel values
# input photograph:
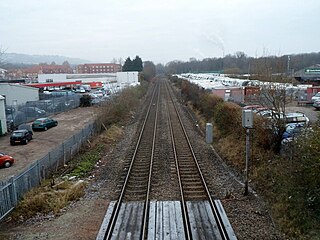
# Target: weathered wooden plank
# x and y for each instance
(230, 232)
(129, 222)
(179, 220)
(159, 221)
(152, 220)
(192, 219)
(106, 221)
(209, 222)
(202, 221)
(119, 222)
(172, 221)
(165, 221)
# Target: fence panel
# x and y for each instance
(13, 190)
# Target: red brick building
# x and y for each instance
(32, 72)
(99, 68)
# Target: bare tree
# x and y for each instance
(273, 95)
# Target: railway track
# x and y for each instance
(131, 216)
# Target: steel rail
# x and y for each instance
(183, 202)
(214, 208)
(146, 206)
(115, 212)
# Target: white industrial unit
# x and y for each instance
(127, 77)
(83, 78)
(120, 77)
(3, 124)
(16, 94)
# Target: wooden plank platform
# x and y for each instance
(165, 221)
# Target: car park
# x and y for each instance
(6, 160)
(22, 136)
(44, 124)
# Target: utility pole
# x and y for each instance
(288, 65)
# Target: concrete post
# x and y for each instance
(209, 133)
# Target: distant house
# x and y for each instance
(99, 68)
(3, 73)
(309, 74)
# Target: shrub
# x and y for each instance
(208, 102)
(85, 101)
(227, 118)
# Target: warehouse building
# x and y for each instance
(94, 80)
(16, 94)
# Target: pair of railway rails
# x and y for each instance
(195, 215)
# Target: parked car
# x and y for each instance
(99, 93)
(316, 97)
(20, 136)
(80, 90)
(316, 104)
(33, 112)
(271, 114)
(44, 124)
(297, 117)
(6, 160)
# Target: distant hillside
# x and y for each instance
(36, 59)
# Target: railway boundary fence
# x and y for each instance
(12, 190)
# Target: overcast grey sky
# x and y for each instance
(161, 31)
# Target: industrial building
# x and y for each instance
(94, 80)
(16, 94)
(309, 74)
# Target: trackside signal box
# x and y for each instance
(247, 118)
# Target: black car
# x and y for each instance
(20, 136)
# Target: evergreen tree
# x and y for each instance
(137, 64)
(127, 66)
(133, 65)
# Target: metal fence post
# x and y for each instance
(14, 191)
(64, 154)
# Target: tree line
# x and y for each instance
(240, 63)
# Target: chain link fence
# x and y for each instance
(49, 105)
(12, 191)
